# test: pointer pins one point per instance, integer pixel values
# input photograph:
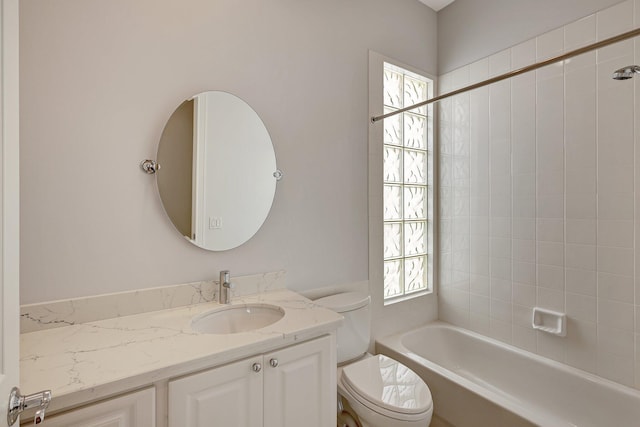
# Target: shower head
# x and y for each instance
(626, 73)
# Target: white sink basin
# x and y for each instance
(237, 318)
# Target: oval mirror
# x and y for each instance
(218, 170)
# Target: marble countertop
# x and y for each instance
(89, 361)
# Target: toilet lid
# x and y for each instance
(389, 384)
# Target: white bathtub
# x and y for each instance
(480, 382)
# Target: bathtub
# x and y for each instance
(480, 382)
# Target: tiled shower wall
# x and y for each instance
(540, 197)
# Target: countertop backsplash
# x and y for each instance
(54, 314)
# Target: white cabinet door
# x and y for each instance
(300, 385)
(132, 410)
(228, 396)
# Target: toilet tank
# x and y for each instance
(353, 335)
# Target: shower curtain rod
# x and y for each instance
(571, 54)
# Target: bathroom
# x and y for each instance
(98, 81)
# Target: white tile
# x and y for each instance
(479, 70)
(550, 152)
(582, 345)
(551, 299)
(636, 20)
(524, 295)
(479, 304)
(524, 206)
(615, 20)
(549, 44)
(501, 289)
(501, 268)
(479, 265)
(479, 206)
(551, 277)
(524, 184)
(523, 149)
(580, 115)
(615, 341)
(479, 243)
(615, 233)
(524, 273)
(581, 256)
(637, 385)
(581, 206)
(616, 260)
(479, 230)
(551, 206)
(479, 285)
(581, 281)
(581, 181)
(524, 228)
(616, 314)
(615, 116)
(522, 315)
(500, 123)
(551, 346)
(580, 33)
(550, 230)
(550, 182)
(500, 62)
(500, 330)
(582, 231)
(455, 297)
(501, 206)
(615, 287)
(523, 54)
(500, 247)
(616, 206)
(479, 323)
(616, 368)
(445, 83)
(582, 307)
(550, 253)
(460, 77)
(454, 315)
(524, 250)
(524, 338)
(501, 227)
(615, 178)
(500, 153)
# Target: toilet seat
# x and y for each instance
(387, 387)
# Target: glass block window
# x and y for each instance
(408, 180)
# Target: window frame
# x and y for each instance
(376, 198)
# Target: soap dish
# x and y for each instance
(550, 321)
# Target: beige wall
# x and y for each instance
(469, 30)
(99, 80)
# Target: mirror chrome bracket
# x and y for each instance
(150, 166)
(278, 174)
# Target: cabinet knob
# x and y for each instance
(273, 363)
(256, 367)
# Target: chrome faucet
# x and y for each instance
(224, 289)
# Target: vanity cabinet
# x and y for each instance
(291, 387)
(134, 409)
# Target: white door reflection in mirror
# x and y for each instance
(220, 143)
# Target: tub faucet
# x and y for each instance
(224, 289)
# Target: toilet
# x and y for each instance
(381, 391)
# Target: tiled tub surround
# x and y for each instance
(539, 201)
(54, 314)
(86, 362)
